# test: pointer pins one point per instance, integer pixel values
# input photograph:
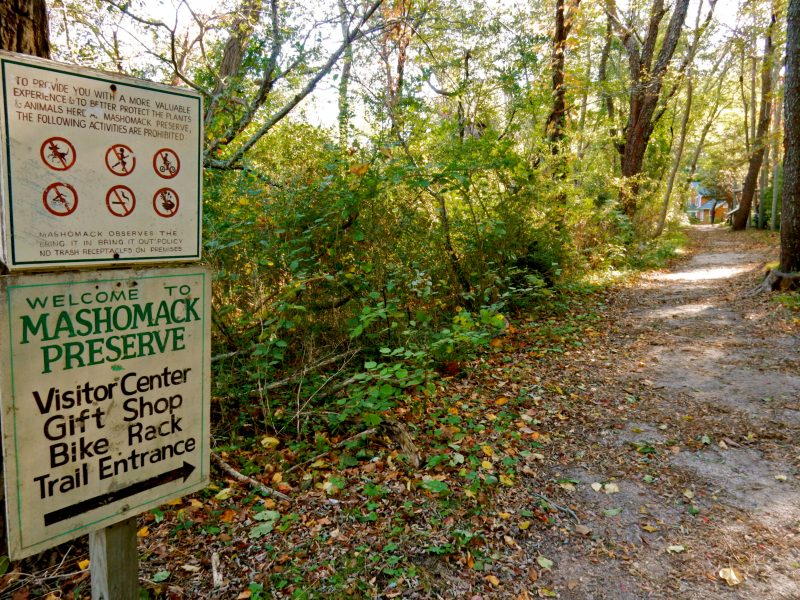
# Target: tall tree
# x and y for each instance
(646, 82)
(24, 28)
(556, 120)
(790, 213)
(741, 216)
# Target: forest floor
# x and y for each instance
(644, 444)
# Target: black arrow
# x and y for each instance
(86, 505)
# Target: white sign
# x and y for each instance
(96, 169)
(105, 390)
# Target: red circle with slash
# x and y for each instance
(60, 199)
(166, 163)
(120, 201)
(120, 160)
(165, 202)
(58, 153)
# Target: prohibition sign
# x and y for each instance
(120, 201)
(166, 163)
(120, 160)
(165, 203)
(58, 153)
(60, 199)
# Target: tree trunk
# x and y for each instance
(557, 118)
(676, 161)
(790, 210)
(24, 28)
(344, 80)
(646, 83)
(773, 223)
(757, 155)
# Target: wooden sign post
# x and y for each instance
(104, 383)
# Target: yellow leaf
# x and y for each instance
(270, 442)
(501, 401)
(224, 494)
(487, 465)
(360, 170)
(196, 503)
(731, 576)
(493, 580)
(506, 480)
(469, 493)
(277, 478)
(504, 515)
(650, 528)
(488, 450)
(547, 593)
(688, 494)
(491, 416)
(524, 525)
(83, 565)
(319, 463)
(176, 502)
(143, 532)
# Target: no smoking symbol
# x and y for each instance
(60, 199)
(58, 153)
(165, 203)
(120, 201)
(120, 160)
(166, 163)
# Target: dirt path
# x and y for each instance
(697, 427)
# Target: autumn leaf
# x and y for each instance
(360, 170)
(731, 576)
(544, 562)
(143, 532)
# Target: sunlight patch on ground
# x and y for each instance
(684, 310)
(704, 274)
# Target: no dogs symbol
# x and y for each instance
(58, 153)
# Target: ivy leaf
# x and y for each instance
(161, 576)
(435, 486)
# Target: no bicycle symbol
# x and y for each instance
(120, 160)
(165, 203)
(166, 163)
(58, 153)
(60, 199)
(120, 201)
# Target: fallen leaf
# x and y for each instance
(270, 442)
(191, 568)
(493, 580)
(544, 562)
(781, 477)
(143, 532)
(228, 515)
(650, 528)
(524, 525)
(611, 488)
(688, 494)
(612, 512)
(583, 529)
(675, 549)
(488, 450)
(224, 494)
(731, 576)
(83, 565)
(547, 593)
(244, 595)
(597, 486)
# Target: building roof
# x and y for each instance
(711, 204)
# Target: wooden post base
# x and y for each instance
(115, 562)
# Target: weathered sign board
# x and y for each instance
(105, 397)
(96, 169)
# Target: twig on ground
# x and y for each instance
(559, 508)
(365, 433)
(259, 487)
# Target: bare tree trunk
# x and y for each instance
(790, 211)
(24, 28)
(646, 81)
(757, 155)
(344, 79)
(762, 187)
(776, 132)
(676, 161)
(557, 118)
